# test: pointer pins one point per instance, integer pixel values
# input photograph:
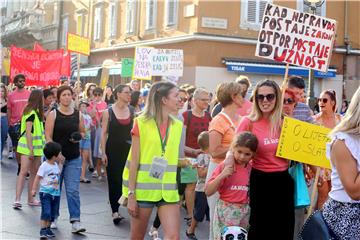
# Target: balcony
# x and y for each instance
(26, 28)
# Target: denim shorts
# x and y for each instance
(49, 206)
(85, 144)
(148, 204)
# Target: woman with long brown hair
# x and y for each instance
(30, 145)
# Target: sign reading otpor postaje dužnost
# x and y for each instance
(297, 38)
(167, 62)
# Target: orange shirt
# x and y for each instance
(226, 128)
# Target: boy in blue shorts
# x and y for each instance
(48, 176)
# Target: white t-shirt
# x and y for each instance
(202, 161)
(338, 192)
(50, 174)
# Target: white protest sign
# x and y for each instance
(167, 62)
(142, 63)
(297, 38)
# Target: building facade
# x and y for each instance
(218, 37)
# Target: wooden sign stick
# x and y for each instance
(312, 202)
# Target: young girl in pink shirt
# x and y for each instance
(232, 183)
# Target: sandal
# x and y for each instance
(188, 220)
(85, 180)
(17, 205)
(117, 218)
(34, 203)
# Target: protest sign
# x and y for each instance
(297, 38)
(303, 142)
(65, 65)
(78, 44)
(41, 68)
(142, 63)
(167, 62)
(127, 67)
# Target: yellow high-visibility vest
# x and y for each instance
(38, 136)
(149, 188)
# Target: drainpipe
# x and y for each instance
(60, 24)
(347, 46)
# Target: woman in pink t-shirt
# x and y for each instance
(271, 186)
(232, 183)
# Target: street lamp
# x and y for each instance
(312, 4)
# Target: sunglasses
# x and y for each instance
(324, 100)
(270, 97)
(288, 101)
(97, 94)
(182, 99)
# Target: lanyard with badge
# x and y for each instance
(159, 164)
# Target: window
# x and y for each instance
(171, 12)
(251, 13)
(65, 27)
(112, 18)
(97, 23)
(130, 16)
(80, 24)
(150, 14)
(321, 11)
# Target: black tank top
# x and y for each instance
(64, 126)
(118, 133)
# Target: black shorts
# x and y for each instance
(14, 133)
(201, 208)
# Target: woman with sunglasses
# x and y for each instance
(271, 186)
(95, 110)
(115, 144)
(327, 117)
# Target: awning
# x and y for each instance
(88, 72)
(266, 68)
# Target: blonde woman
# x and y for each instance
(271, 186)
(149, 178)
(342, 210)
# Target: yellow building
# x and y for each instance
(214, 35)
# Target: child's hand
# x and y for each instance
(227, 171)
(229, 159)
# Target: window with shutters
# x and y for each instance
(113, 6)
(130, 16)
(97, 23)
(65, 28)
(151, 8)
(320, 11)
(252, 13)
(171, 12)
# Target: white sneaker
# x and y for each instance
(54, 224)
(76, 228)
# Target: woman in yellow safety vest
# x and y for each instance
(149, 177)
(31, 143)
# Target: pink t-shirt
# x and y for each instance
(235, 188)
(265, 159)
(100, 107)
(17, 101)
(245, 108)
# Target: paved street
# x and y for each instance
(95, 213)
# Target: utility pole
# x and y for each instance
(312, 4)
